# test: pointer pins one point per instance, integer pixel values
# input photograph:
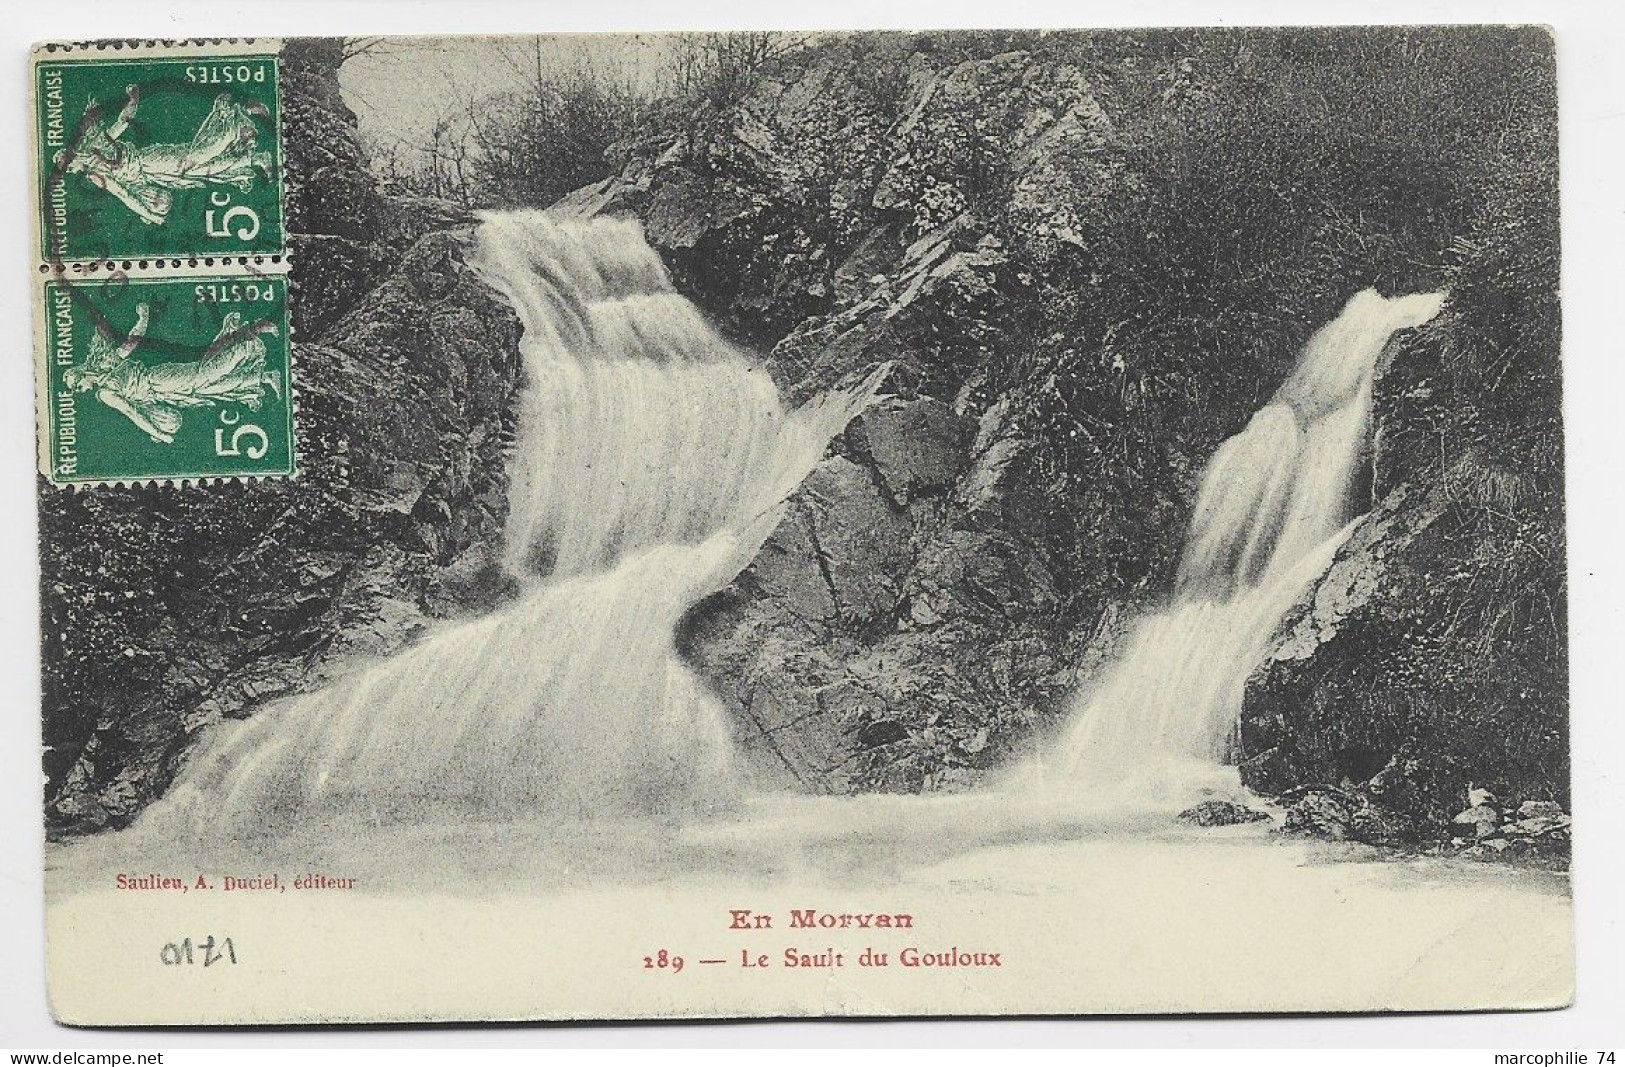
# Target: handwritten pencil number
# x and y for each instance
(208, 952)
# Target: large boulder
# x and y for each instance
(908, 625)
(880, 639)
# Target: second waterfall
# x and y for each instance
(652, 461)
(1273, 508)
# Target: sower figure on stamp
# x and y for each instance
(224, 151)
(232, 370)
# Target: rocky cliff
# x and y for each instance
(879, 202)
(166, 609)
(1424, 682)
(1087, 259)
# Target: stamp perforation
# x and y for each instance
(167, 263)
(139, 43)
(59, 266)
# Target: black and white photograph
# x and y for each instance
(755, 524)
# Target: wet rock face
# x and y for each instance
(1427, 669)
(916, 448)
(1377, 683)
(1222, 813)
(908, 624)
(880, 639)
(167, 609)
(872, 644)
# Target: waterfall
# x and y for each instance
(1273, 507)
(652, 461)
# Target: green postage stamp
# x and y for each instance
(167, 378)
(158, 156)
(164, 346)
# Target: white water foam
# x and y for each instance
(653, 460)
(1273, 509)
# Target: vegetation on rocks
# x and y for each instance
(1103, 251)
(1085, 259)
(1432, 661)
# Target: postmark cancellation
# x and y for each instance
(164, 349)
(166, 378)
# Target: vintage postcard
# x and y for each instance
(692, 526)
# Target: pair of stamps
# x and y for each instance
(164, 351)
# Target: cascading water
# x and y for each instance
(487, 793)
(1272, 510)
(653, 459)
